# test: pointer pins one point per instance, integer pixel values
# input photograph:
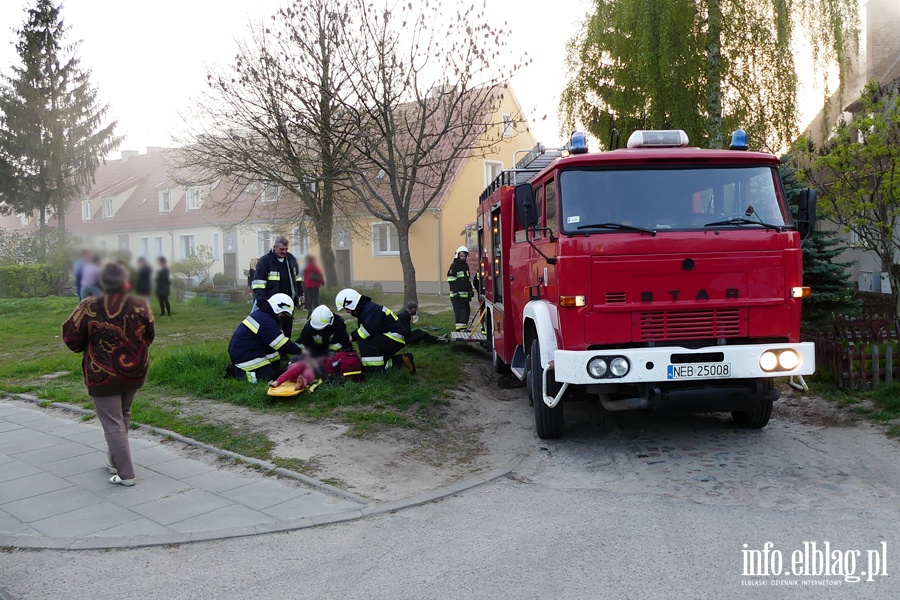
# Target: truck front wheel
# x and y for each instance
(548, 421)
(758, 417)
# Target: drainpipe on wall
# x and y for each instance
(440, 270)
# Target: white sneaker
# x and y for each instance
(120, 481)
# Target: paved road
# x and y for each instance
(631, 509)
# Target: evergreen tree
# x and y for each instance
(51, 134)
(832, 291)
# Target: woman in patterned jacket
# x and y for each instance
(114, 331)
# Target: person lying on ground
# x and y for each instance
(301, 370)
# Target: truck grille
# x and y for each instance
(615, 297)
(690, 324)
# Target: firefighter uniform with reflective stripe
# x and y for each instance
(460, 291)
(325, 341)
(379, 335)
(257, 344)
(275, 276)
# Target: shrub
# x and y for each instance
(31, 281)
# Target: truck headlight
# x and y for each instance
(619, 366)
(768, 361)
(596, 367)
(788, 360)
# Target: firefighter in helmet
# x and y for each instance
(325, 333)
(257, 344)
(460, 288)
(379, 334)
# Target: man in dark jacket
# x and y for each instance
(256, 346)
(460, 288)
(144, 284)
(325, 333)
(379, 334)
(278, 273)
(414, 336)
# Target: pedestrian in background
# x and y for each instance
(312, 281)
(144, 283)
(90, 275)
(163, 286)
(114, 331)
(78, 268)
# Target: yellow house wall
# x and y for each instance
(437, 233)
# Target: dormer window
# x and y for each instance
(192, 201)
(107, 208)
(87, 210)
(165, 201)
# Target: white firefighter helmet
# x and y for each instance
(461, 249)
(281, 303)
(347, 298)
(321, 317)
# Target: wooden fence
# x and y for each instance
(859, 352)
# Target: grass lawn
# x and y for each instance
(188, 360)
(881, 405)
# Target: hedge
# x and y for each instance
(30, 281)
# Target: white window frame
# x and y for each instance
(507, 128)
(107, 207)
(263, 242)
(158, 246)
(215, 246)
(488, 165)
(376, 237)
(186, 240)
(144, 247)
(25, 220)
(192, 199)
(165, 201)
(87, 210)
(270, 192)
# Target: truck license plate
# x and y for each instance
(699, 371)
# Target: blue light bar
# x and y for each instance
(738, 140)
(578, 143)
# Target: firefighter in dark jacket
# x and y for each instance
(325, 333)
(379, 335)
(460, 288)
(278, 273)
(257, 344)
(407, 318)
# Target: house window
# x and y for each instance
(144, 247)
(215, 247)
(157, 246)
(507, 125)
(263, 242)
(301, 242)
(165, 201)
(492, 170)
(87, 211)
(185, 246)
(270, 193)
(192, 201)
(385, 241)
(107, 208)
(25, 220)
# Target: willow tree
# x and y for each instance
(705, 66)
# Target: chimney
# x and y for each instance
(126, 154)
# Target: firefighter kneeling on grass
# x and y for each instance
(379, 335)
(460, 288)
(256, 346)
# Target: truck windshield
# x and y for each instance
(673, 198)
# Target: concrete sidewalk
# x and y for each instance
(54, 491)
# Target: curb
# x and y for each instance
(139, 541)
(263, 464)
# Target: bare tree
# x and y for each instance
(426, 86)
(272, 118)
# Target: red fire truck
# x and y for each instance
(656, 276)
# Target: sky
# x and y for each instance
(149, 58)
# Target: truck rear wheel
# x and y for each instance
(758, 417)
(548, 421)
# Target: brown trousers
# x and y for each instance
(114, 413)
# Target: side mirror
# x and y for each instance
(525, 208)
(806, 212)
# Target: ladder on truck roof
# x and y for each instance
(534, 161)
